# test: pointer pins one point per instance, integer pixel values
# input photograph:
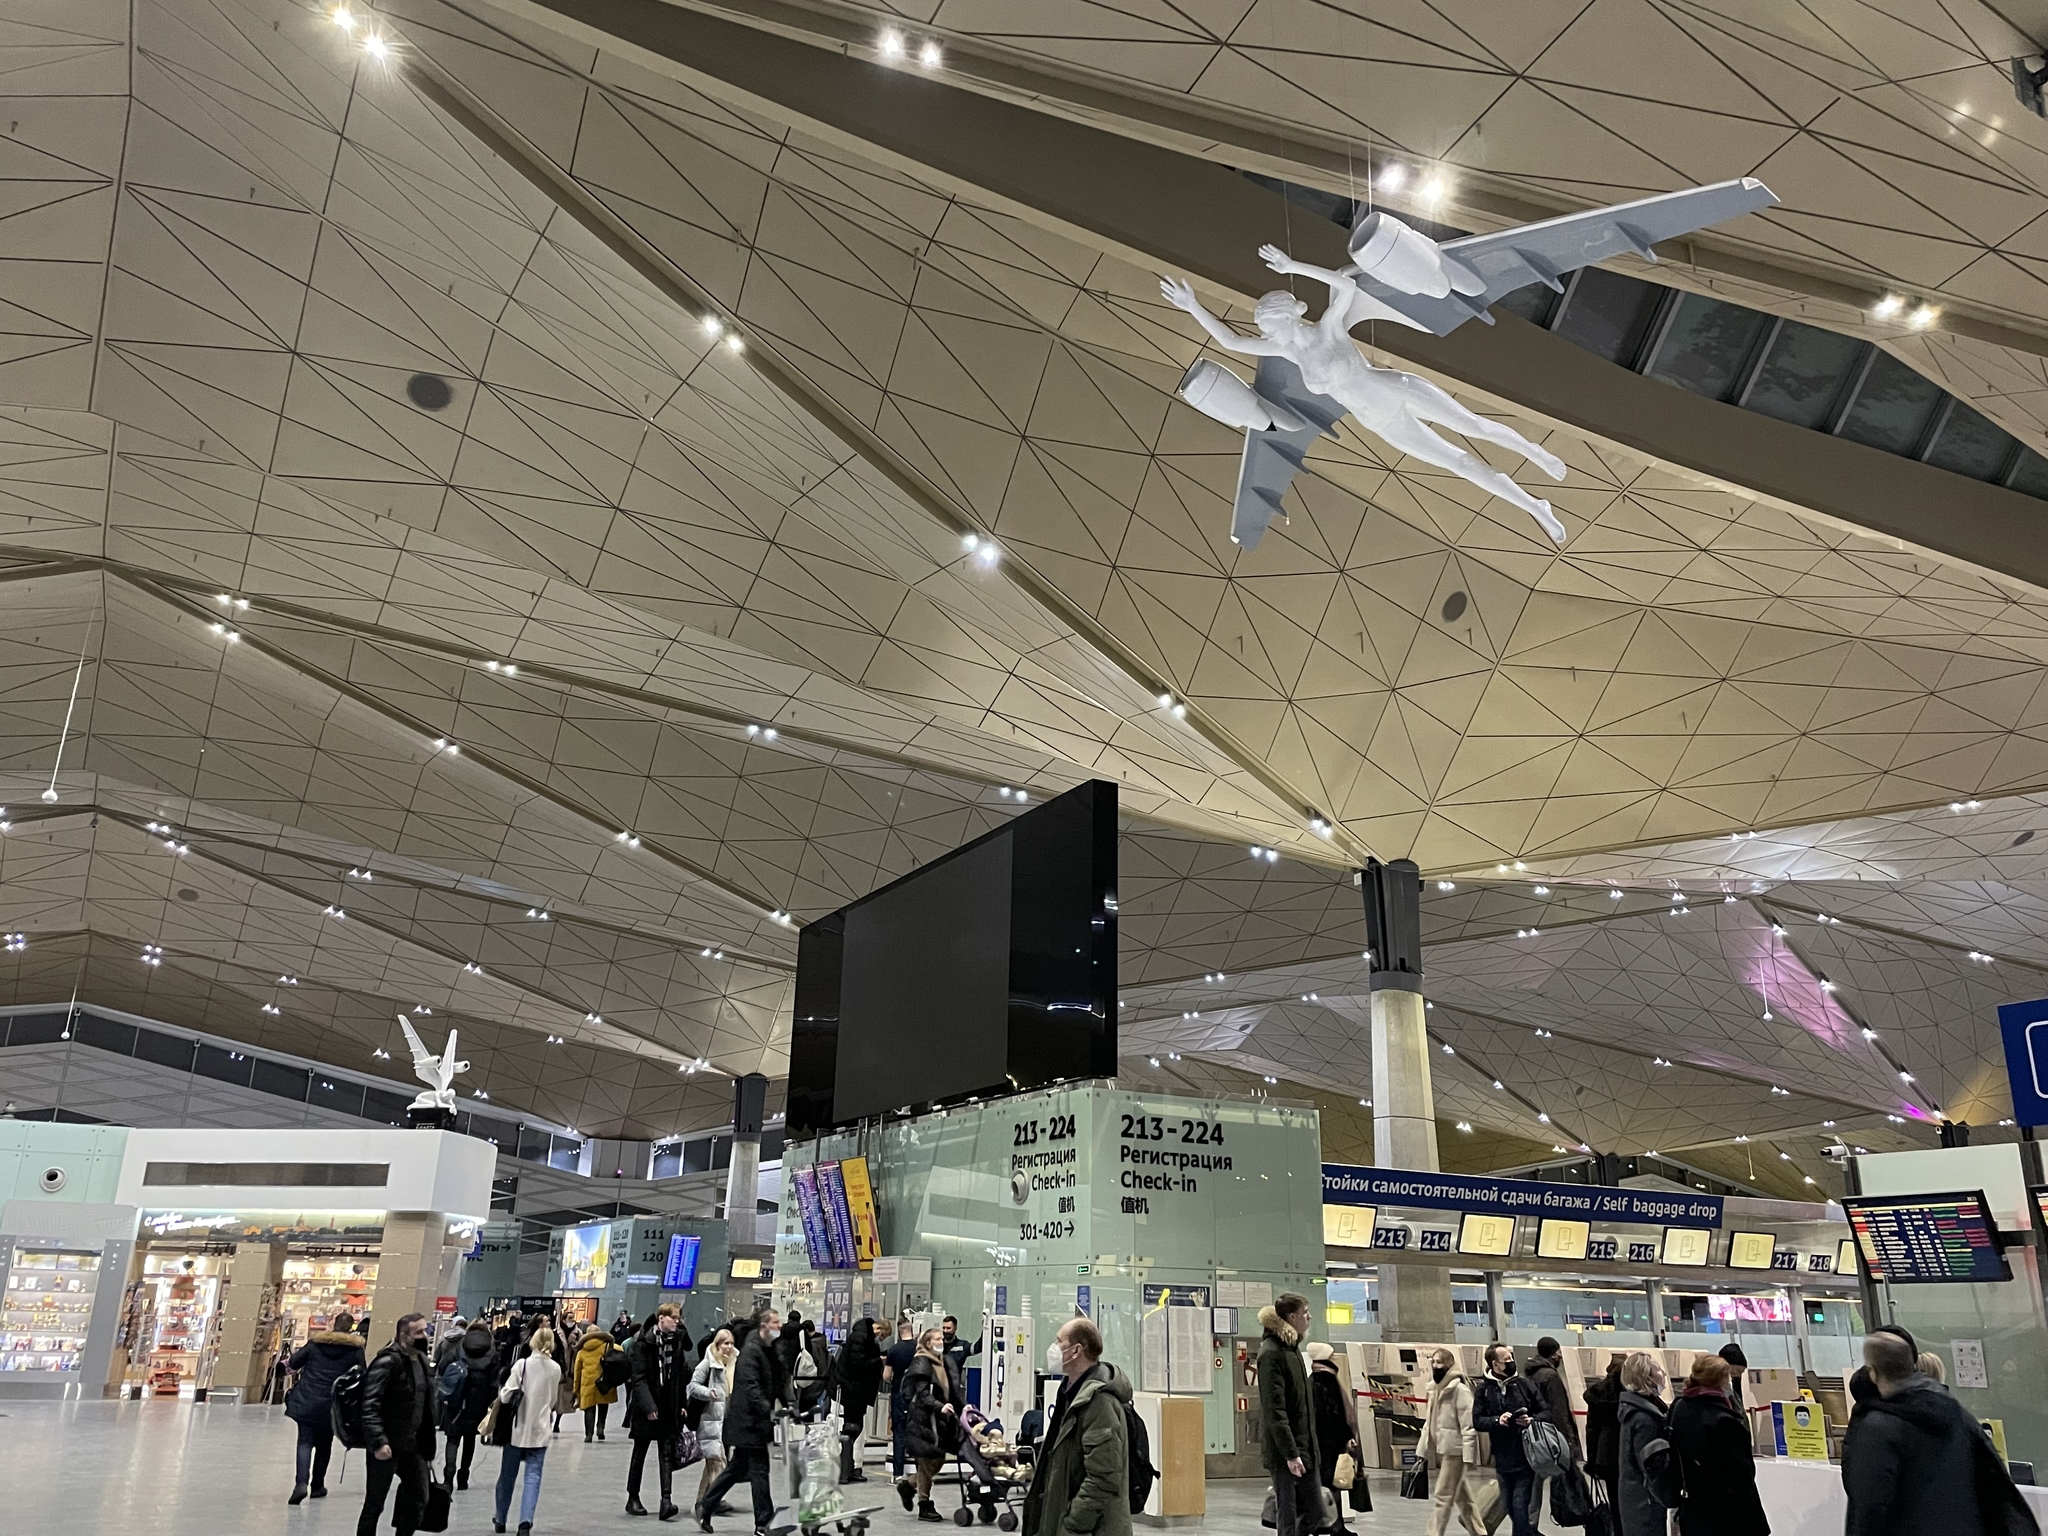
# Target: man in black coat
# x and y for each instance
(1546, 1375)
(398, 1427)
(1504, 1404)
(1287, 1425)
(895, 1364)
(654, 1403)
(749, 1424)
(1915, 1461)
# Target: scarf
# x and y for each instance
(942, 1380)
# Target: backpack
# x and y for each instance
(1663, 1473)
(1548, 1451)
(614, 1369)
(347, 1411)
(454, 1382)
(1142, 1473)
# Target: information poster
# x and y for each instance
(812, 1215)
(860, 1205)
(1921, 1239)
(1967, 1355)
(1175, 1340)
(1802, 1431)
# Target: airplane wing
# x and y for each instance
(1546, 252)
(1272, 457)
(422, 1058)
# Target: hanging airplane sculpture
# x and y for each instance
(1310, 377)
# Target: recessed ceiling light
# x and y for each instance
(930, 56)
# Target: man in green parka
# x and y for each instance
(1082, 1486)
(1287, 1425)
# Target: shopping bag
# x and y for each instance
(1415, 1480)
(1570, 1503)
(1331, 1512)
(687, 1450)
(1268, 1515)
(1602, 1519)
(1360, 1495)
(1347, 1469)
(434, 1508)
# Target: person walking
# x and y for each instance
(1504, 1405)
(1546, 1374)
(932, 1403)
(858, 1371)
(710, 1386)
(1287, 1432)
(749, 1424)
(1603, 1426)
(398, 1427)
(1450, 1444)
(1641, 1418)
(654, 1405)
(1713, 1445)
(592, 1396)
(468, 1385)
(316, 1365)
(1916, 1461)
(1336, 1419)
(449, 1344)
(568, 1334)
(895, 1361)
(1082, 1483)
(623, 1328)
(535, 1381)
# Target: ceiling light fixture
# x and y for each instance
(1923, 317)
(272, 1008)
(1465, 1126)
(287, 981)
(1542, 890)
(1393, 178)
(1614, 895)
(375, 46)
(1447, 885)
(735, 343)
(892, 44)
(344, 18)
(930, 56)
(471, 968)
(1888, 306)
(713, 325)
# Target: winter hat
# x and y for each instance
(1319, 1351)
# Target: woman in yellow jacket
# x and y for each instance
(592, 1399)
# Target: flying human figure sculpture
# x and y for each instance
(1394, 406)
(1310, 377)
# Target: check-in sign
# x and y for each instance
(2025, 1028)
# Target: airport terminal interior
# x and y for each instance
(1047, 664)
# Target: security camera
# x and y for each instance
(52, 1180)
(1835, 1152)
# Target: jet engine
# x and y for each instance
(1221, 395)
(1407, 260)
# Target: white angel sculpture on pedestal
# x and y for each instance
(437, 1072)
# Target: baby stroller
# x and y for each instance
(992, 1477)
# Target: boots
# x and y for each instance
(926, 1510)
(298, 1494)
(634, 1506)
(668, 1510)
(905, 1491)
(847, 1472)
(462, 1480)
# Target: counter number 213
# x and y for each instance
(1025, 1132)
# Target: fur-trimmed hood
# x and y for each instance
(350, 1340)
(1272, 1322)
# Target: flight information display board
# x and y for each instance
(1927, 1239)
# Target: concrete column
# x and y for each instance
(1415, 1299)
(409, 1271)
(248, 1313)
(743, 1177)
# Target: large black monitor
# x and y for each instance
(1927, 1239)
(991, 970)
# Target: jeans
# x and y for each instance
(466, 1445)
(534, 1460)
(408, 1468)
(750, 1462)
(664, 1464)
(316, 1444)
(1297, 1502)
(1518, 1490)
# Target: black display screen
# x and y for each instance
(989, 971)
(1927, 1239)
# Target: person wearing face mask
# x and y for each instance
(398, 1427)
(1504, 1405)
(749, 1424)
(1450, 1444)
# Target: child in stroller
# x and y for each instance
(993, 1475)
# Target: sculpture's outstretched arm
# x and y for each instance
(1336, 319)
(1181, 295)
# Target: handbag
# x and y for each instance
(1271, 1520)
(1602, 1519)
(1360, 1496)
(1346, 1472)
(687, 1450)
(505, 1413)
(1415, 1480)
(434, 1508)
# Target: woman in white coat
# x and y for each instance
(538, 1378)
(709, 1386)
(1450, 1445)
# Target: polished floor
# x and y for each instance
(181, 1469)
